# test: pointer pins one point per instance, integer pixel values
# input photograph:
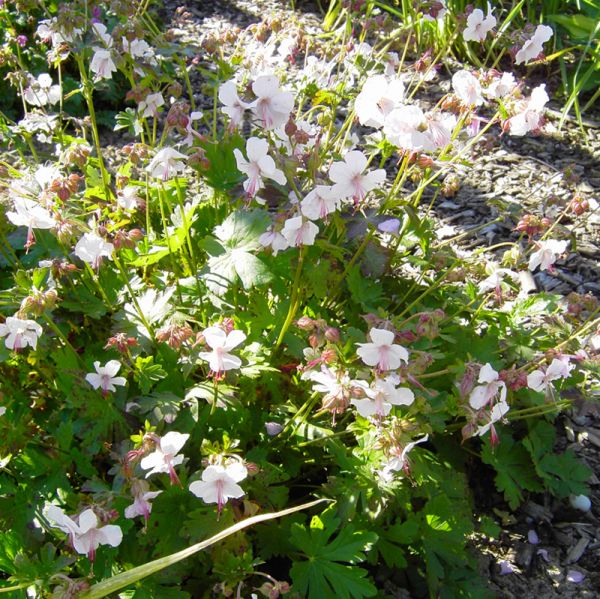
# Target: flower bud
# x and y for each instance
(332, 334)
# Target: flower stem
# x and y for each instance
(294, 300)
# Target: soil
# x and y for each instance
(504, 174)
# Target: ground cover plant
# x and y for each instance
(238, 358)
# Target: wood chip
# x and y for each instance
(577, 551)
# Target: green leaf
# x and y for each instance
(363, 291)
(514, 469)
(330, 580)
(222, 173)
(231, 258)
(322, 576)
(147, 373)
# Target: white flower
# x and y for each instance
(478, 25)
(102, 64)
(219, 484)
(382, 395)
(377, 99)
(41, 91)
(165, 163)
(467, 88)
(31, 215)
(298, 231)
(275, 240)
(440, 126)
(538, 380)
(529, 118)
(258, 166)
(532, 48)
(382, 352)
(102, 34)
(549, 250)
(150, 105)
(496, 278)
(2, 410)
(189, 128)
(137, 48)
(20, 333)
(320, 202)
(272, 107)
(166, 456)
(85, 534)
(128, 198)
(501, 87)
(91, 247)
(497, 413)
(399, 462)
(233, 107)
(141, 505)
(350, 182)
(483, 394)
(104, 378)
(219, 360)
(404, 127)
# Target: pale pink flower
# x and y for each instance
(320, 202)
(467, 88)
(20, 333)
(547, 254)
(28, 213)
(479, 25)
(532, 48)
(137, 48)
(381, 396)
(233, 107)
(497, 413)
(378, 97)
(166, 163)
(219, 484)
(530, 117)
(141, 505)
(440, 126)
(41, 91)
(496, 278)
(102, 64)
(85, 535)
(404, 127)
(102, 34)
(221, 343)
(272, 107)
(128, 198)
(150, 105)
(91, 248)
(399, 462)
(299, 231)
(104, 378)
(501, 87)
(275, 240)
(349, 180)
(491, 386)
(191, 133)
(382, 352)
(259, 165)
(538, 380)
(166, 456)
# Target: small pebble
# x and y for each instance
(581, 502)
(575, 576)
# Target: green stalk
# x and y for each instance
(294, 299)
(87, 90)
